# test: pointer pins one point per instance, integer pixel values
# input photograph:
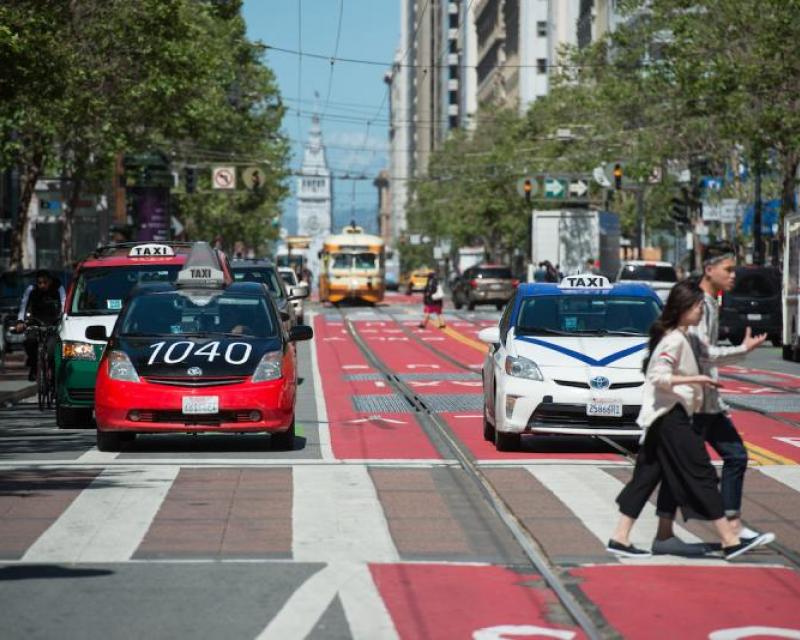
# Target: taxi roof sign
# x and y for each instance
(202, 268)
(585, 281)
(151, 249)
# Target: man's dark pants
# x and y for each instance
(720, 433)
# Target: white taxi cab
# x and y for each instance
(567, 359)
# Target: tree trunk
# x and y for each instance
(76, 184)
(30, 175)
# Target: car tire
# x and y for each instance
(111, 440)
(72, 418)
(456, 301)
(788, 352)
(507, 441)
(499, 306)
(471, 305)
(776, 341)
(488, 428)
(284, 440)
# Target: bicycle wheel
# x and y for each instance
(51, 385)
(41, 380)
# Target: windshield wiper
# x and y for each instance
(611, 332)
(542, 330)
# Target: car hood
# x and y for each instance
(164, 356)
(616, 352)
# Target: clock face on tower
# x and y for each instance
(312, 224)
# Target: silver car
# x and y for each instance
(297, 287)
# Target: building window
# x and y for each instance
(541, 65)
(453, 46)
(453, 72)
(453, 95)
(541, 29)
(453, 121)
(453, 20)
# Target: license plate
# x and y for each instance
(754, 316)
(496, 286)
(200, 404)
(604, 408)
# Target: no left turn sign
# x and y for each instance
(223, 178)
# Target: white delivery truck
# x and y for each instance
(569, 237)
(791, 287)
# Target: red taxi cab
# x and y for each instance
(199, 355)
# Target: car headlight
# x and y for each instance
(523, 368)
(121, 368)
(71, 350)
(269, 368)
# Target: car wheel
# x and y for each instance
(507, 441)
(72, 418)
(499, 306)
(488, 429)
(112, 441)
(284, 440)
(788, 352)
(471, 305)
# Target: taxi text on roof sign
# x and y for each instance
(201, 277)
(148, 250)
(585, 281)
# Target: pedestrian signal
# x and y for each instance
(190, 176)
(527, 188)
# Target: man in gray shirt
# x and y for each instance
(719, 272)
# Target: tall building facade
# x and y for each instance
(314, 195)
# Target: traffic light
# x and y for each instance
(618, 176)
(191, 179)
(680, 211)
(527, 188)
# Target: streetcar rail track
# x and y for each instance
(523, 537)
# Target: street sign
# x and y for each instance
(223, 178)
(725, 211)
(253, 177)
(578, 188)
(554, 188)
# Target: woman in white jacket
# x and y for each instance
(672, 449)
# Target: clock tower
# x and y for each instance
(314, 202)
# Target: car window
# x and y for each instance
(505, 319)
(648, 273)
(289, 277)
(265, 275)
(104, 290)
(755, 285)
(177, 313)
(497, 273)
(581, 314)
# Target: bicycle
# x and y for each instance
(45, 370)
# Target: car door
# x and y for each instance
(495, 359)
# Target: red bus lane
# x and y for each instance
(459, 402)
(695, 601)
(480, 602)
(353, 392)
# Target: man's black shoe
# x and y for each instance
(626, 551)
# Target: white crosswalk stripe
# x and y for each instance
(787, 475)
(108, 520)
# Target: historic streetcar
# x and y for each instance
(352, 267)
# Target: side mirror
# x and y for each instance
(298, 292)
(489, 335)
(301, 332)
(96, 332)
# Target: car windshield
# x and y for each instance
(289, 277)
(755, 285)
(104, 290)
(500, 273)
(586, 314)
(363, 260)
(265, 275)
(648, 273)
(184, 312)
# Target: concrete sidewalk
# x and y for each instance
(14, 383)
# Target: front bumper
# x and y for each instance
(549, 407)
(75, 379)
(160, 407)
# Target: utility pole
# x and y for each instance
(639, 193)
(758, 255)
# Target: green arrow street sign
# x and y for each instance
(554, 188)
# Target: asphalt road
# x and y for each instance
(388, 519)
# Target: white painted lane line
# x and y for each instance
(590, 494)
(108, 520)
(367, 617)
(234, 462)
(95, 456)
(323, 429)
(789, 476)
(337, 517)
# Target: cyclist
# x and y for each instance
(44, 303)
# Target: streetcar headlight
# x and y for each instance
(71, 350)
(523, 368)
(121, 368)
(269, 368)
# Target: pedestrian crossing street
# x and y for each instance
(342, 513)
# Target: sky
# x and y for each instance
(353, 98)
